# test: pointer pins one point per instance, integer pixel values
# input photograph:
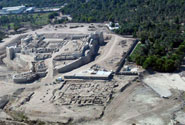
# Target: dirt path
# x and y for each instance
(107, 51)
(49, 77)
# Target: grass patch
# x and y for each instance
(134, 53)
(41, 19)
(38, 19)
(183, 97)
(19, 116)
(22, 20)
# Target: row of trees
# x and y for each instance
(168, 63)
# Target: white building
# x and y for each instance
(115, 27)
(30, 9)
(90, 74)
(12, 10)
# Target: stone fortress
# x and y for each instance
(75, 80)
(84, 55)
(65, 51)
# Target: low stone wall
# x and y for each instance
(17, 39)
(122, 62)
(2, 57)
(64, 36)
(87, 77)
(25, 77)
(128, 73)
(39, 57)
(60, 58)
(41, 74)
(68, 56)
(79, 62)
(10, 53)
(28, 77)
(12, 42)
(3, 101)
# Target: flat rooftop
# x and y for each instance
(12, 8)
(90, 74)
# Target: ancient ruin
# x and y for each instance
(82, 94)
(88, 50)
(78, 74)
(65, 51)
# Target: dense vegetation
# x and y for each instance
(158, 23)
(17, 21)
(37, 3)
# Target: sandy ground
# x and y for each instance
(180, 116)
(163, 82)
(3, 115)
(41, 106)
(140, 105)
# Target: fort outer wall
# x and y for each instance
(94, 47)
(9, 43)
(64, 36)
(122, 62)
(31, 77)
(81, 61)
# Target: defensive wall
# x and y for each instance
(64, 36)
(122, 62)
(94, 41)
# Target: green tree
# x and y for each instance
(169, 65)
